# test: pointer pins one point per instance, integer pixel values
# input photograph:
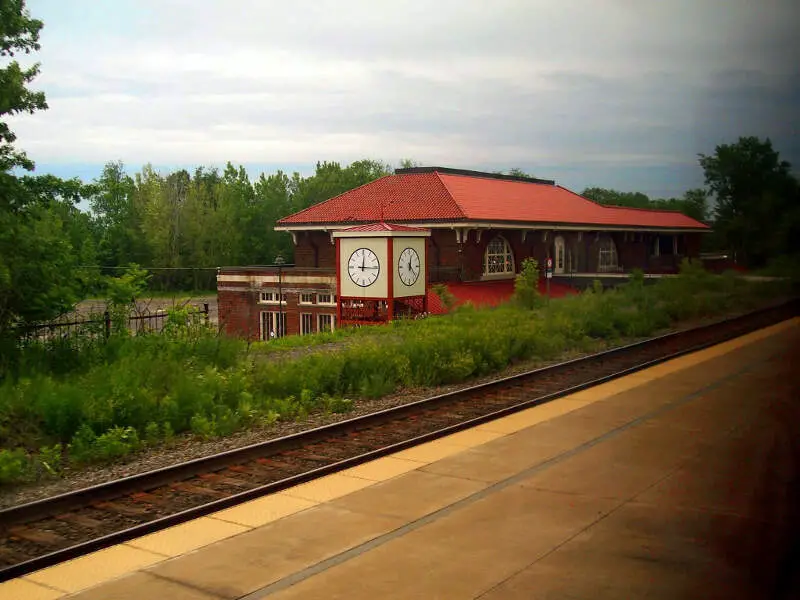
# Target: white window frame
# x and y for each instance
(310, 318)
(326, 316)
(560, 252)
(332, 297)
(267, 322)
(607, 256)
(303, 295)
(270, 297)
(498, 263)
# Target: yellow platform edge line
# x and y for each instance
(36, 587)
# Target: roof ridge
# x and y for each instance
(666, 210)
(450, 194)
(300, 212)
(473, 173)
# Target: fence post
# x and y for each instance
(205, 310)
(107, 323)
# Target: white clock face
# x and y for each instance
(363, 267)
(408, 266)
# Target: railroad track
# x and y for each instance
(49, 531)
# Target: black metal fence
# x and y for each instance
(100, 326)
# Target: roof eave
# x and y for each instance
(487, 224)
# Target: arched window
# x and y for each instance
(499, 259)
(607, 255)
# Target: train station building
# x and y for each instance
(478, 229)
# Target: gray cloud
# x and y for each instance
(612, 87)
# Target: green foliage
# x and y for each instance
(145, 389)
(121, 293)
(19, 33)
(115, 443)
(446, 297)
(152, 433)
(526, 285)
(80, 448)
(122, 290)
(693, 204)
(42, 235)
(752, 186)
(49, 459)
(13, 465)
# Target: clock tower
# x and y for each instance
(381, 273)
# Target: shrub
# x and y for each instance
(526, 285)
(446, 297)
(115, 443)
(49, 459)
(81, 446)
(152, 433)
(202, 427)
(13, 465)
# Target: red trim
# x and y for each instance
(338, 281)
(390, 276)
(425, 297)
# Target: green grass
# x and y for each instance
(71, 403)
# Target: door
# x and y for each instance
(560, 258)
(273, 324)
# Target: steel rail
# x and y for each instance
(145, 481)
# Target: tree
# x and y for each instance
(617, 198)
(520, 173)
(116, 218)
(42, 247)
(42, 235)
(756, 199)
(693, 203)
(18, 33)
(408, 163)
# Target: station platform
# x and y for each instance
(679, 481)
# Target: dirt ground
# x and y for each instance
(153, 305)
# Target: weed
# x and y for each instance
(13, 465)
(49, 459)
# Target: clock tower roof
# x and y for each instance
(382, 230)
(384, 227)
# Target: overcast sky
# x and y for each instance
(613, 93)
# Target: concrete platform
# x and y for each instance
(676, 482)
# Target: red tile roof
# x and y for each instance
(436, 196)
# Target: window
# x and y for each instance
(326, 299)
(499, 259)
(665, 245)
(273, 323)
(306, 323)
(607, 255)
(559, 249)
(325, 322)
(306, 298)
(271, 297)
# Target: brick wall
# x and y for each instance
(240, 305)
(314, 250)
